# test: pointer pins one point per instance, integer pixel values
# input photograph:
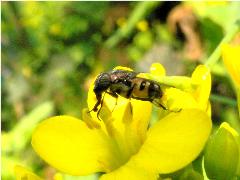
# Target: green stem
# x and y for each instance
(212, 60)
(238, 99)
(19, 137)
(140, 11)
(205, 177)
(223, 100)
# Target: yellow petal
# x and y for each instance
(122, 68)
(201, 78)
(209, 109)
(157, 69)
(24, 174)
(130, 122)
(231, 59)
(89, 120)
(142, 111)
(176, 99)
(174, 141)
(67, 144)
(130, 171)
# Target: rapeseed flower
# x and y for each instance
(123, 144)
(231, 55)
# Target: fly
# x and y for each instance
(126, 84)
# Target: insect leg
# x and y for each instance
(99, 100)
(101, 104)
(157, 103)
(113, 94)
(164, 108)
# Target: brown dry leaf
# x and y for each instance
(182, 19)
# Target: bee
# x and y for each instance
(126, 84)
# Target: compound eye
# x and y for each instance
(102, 82)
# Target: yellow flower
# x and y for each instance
(121, 144)
(231, 57)
(142, 25)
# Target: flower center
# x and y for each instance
(122, 128)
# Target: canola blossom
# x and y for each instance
(124, 144)
(230, 55)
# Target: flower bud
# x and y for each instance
(222, 153)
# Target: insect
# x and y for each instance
(126, 84)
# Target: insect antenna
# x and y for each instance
(157, 103)
(164, 108)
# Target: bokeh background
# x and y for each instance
(51, 51)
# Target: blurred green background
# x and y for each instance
(51, 51)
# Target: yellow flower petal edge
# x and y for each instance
(201, 79)
(157, 69)
(130, 171)
(67, 144)
(174, 141)
(122, 68)
(226, 126)
(231, 59)
(22, 173)
(176, 99)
